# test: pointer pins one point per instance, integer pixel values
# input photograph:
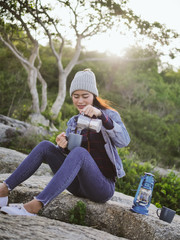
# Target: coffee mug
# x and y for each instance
(74, 140)
(166, 214)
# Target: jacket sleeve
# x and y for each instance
(118, 134)
(70, 126)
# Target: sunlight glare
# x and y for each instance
(113, 43)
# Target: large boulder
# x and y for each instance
(113, 217)
(10, 160)
(10, 128)
(36, 228)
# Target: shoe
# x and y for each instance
(16, 209)
(3, 201)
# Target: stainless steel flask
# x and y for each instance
(89, 123)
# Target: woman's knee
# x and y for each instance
(82, 156)
(45, 147)
(45, 144)
(80, 151)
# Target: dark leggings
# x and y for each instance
(78, 173)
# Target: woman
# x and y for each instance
(87, 171)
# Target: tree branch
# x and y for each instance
(74, 59)
(16, 53)
(18, 17)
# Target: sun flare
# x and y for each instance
(113, 43)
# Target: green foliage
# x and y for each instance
(62, 128)
(154, 137)
(78, 214)
(68, 110)
(134, 170)
(13, 84)
(167, 191)
(49, 70)
(61, 125)
(21, 112)
(24, 143)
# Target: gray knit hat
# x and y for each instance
(84, 80)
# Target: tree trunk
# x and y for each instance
(63, 74)
(44, 92)
(32, 81)
(60, 96)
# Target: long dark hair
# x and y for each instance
(102, 103)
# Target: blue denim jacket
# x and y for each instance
(116, 137)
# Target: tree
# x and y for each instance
(13, 84)
(83, 19)
(10, 33)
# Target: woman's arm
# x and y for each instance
(71, 125)
(118, 133)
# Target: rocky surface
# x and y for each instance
(11, 128)
(164, 172)
(37, 228)
(10, 160)
(114, 218)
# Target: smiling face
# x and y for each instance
(82, 98)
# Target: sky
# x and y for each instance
(164, 11)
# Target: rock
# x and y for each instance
(38, 119)
(11, 128)
(52, 127)
(113, 217)
(21, 227)
(7, 132)
(116, 219)
(164, 172)
(10, 160)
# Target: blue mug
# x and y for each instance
(74, 140)
(166, 214)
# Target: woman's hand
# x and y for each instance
(61, 140)
(91, 111)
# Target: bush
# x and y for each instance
(78, 213)
(62, 128)
(24, 143)
(21, 112)
(134, 170)
(166, 189)
(154, 137)
(167, 192)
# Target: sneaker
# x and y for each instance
(16, 209)
(3, 201)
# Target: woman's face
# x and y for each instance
(82, 98)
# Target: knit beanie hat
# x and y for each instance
(84, 80)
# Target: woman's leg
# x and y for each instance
(92, 184)
(78, 172)
(81, 176)
(43, 152)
